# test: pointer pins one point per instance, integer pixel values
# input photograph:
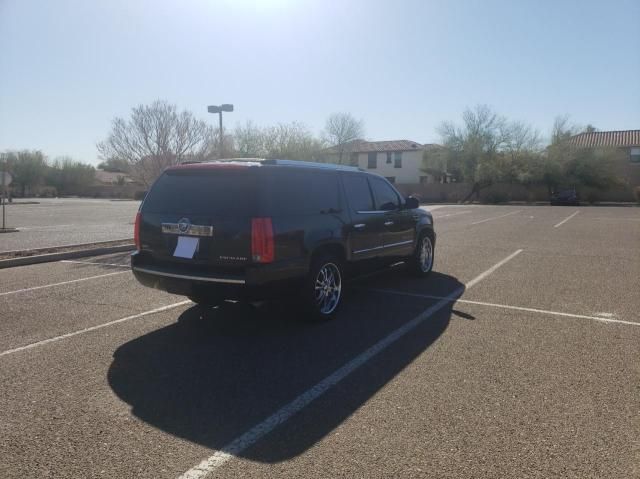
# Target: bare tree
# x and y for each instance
(156, 136)
(249, 140)
(340, 129)
(291, 141)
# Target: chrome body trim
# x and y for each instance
(193, 230)
(392, 245)
(191, 277)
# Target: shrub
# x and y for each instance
(139, 195)
(594, 197)
(637, 192)
(496, 197)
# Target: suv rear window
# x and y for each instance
(203, 192)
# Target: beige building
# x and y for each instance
(400, 161)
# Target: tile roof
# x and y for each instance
(606, 138)
(362, 146)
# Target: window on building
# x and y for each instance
(397, 161)
(388, 157)
(353, 159)
(372, 160)
(634, 155)
(390, 179)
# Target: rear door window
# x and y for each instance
(301, 192)
(386, 197)
(358, 192)
(204, 193)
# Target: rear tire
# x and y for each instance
(323, 288)
(420, 263)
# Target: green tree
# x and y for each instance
(564, 164)
(114, 165)
(70, 176)
(27, 167)
(485, 149)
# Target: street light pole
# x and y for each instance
(221, 135)
(219, 109)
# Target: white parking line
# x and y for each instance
(496, 217)
(452, 214)
(92, 328)
(482, 276)
(566, 219)
(34, 288)
(258, 431)
(514, 308)
(95, 262)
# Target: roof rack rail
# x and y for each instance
(311, 164)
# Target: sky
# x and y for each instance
(68, 67)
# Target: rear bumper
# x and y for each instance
(259, 282)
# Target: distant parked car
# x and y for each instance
(251, 230)
(568, 197)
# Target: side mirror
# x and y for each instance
(411, 203)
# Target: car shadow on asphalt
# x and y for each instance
(212, 375)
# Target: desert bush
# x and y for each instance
(496, 197)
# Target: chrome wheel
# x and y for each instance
(328, 288)
(426, 254)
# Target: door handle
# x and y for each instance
(388, 223)
(359, 226)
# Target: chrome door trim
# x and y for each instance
(401, 243)
(368, 249)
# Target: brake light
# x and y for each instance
(262, 248)
(136, 230)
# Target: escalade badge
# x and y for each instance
(184, 224)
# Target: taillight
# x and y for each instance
(136, 230)
(262, 249)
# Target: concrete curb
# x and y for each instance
(45, 258)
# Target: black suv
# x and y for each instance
(256, 229)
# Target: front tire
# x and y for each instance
(323, 288)
(421, 262)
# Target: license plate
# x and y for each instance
(186, 247)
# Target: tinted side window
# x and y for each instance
(358, 192)
(386, 197)
(299, 192)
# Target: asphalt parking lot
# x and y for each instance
(65, 221)
(518, 357)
